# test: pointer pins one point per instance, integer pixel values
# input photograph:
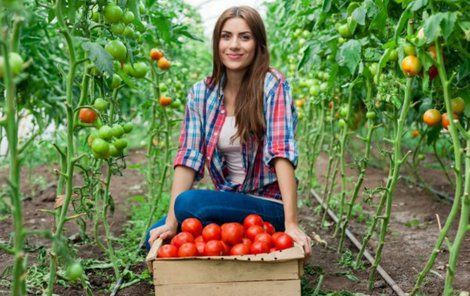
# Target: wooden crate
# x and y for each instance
(273, 274)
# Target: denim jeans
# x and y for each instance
(211, 206)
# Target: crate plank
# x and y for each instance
(216, 271)
(261, 288)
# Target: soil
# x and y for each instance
(412, 233)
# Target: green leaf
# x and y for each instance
(359, 15)
(439, 24)
(349, 55)
(326, 6)
(418, 4)
(163, 28)
(100, 57)
(448, 24)
(465, 26)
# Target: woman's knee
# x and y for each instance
(186, 204)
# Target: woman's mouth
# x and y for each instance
(234, 57)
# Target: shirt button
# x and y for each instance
(223, 111)
(216, 133)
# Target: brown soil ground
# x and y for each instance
(405, 251)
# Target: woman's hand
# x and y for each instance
(300, 237)
(167, 230)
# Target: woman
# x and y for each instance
(240, 122)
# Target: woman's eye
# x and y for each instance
(225, 36)
(246, 37)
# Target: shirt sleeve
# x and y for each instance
(191, 141)
(281, 123)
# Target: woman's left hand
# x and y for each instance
(300, 237)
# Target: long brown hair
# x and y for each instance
(249, 115)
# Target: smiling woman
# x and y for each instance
(240, 122)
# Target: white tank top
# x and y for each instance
(231, 151)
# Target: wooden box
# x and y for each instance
(273, 274)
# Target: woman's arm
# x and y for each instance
(183, 180)
(288, 187)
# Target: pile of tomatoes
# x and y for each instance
(254, 236)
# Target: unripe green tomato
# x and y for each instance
(141, 8)
(74, 271)
(140, 70)
(393, 55)
(105, 132)
(120, 144)
(117, 50)
(302, 41)
(457, 105)
(323, 86)
(305, 33)
(117, 80)
(371, 115)
(127, 68)
(118, 28)
(163, 87)
(341, 123)
(128, 32)
(343, 30)
(421, 156)
(113, 151)
(95, 16)
(128, 127)
(100, 147)
(314, 90)
(101, 105)
(373, 68)
(16, 64)
(341, 40)
(128, 17)
(112, 13)
(409, 49)
(343, 111)
(176, 104)
(297, 33)
(117, 131)
(326, 76)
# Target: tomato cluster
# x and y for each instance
(254, 236)
(432, 117)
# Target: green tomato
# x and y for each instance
(393, 55)
(118, 28)
(117, 80)
(421, 156)
(120, 144)
(112, 13)
(343, 111)
(117, 50)
(373, 68)
(323, 86)
(343, 30)
(305, 33)
(176, 104)
(371, 115)
(341, 123)
(101, 104)
(117, 131)
(74, 271)
(105, 132)
(95, 16)
(409, 49)
(457, 105)
(314, 90)
(128, 127)
(100, 147)
(326, 76)
(297, 33)
(16, 64)
(128, 32)
(113, 151)
(140, 70)
(163, 87)
(128, 17)
(302, 41)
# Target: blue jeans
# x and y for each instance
(211, 206)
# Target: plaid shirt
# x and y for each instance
(204, 117)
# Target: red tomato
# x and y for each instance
(193, 226)
(211, 232)
(268, 227)
(283, 241)
(246, 241)
(187, 250)
(87, 115)
(251, 220)
(232, 233)
(264, 237)
(272, 250)
(433, 72)
(259, 247)
(200, 247)
(276, 235)
(240, 249)
(181, 238)
(252, 231)
(199, 239)
(213, 248)
(167, 251)
(226, 248)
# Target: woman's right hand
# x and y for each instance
(166, 231)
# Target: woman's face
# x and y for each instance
(237, 45)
